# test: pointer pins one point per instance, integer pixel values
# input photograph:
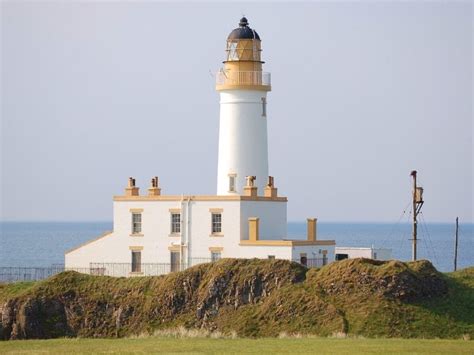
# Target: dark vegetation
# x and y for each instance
(251, 297)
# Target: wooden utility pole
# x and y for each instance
(417, 203)
(456, 245)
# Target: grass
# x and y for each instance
(262, 345)
(15, 289)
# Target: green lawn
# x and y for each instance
(263, 345)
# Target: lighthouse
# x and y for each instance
(156, 233)
(243, 87)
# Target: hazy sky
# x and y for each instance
(363, 92)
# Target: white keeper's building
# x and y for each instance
(246, 219)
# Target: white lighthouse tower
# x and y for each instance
(243, 87)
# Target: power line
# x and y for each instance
(424, 225)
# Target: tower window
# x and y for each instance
(256, 52)
(232, 51)
(264, 107)
(231, 183)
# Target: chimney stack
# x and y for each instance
(131, 189)
(311, 229)
(154, 190)
(270, 190)
(250, 189)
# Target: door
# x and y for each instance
(174, 261)
(303, 259)
(136, 261)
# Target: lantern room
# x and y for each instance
(243, 44)
(243, 65)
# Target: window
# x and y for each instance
(231, 183)
(176, 223)
(215, 255)
(375, 255)
(136, 223)
(271, 257)
(232, 51)
(264, 107)
(256, 52)
(136, 261)
(342, 256)
(216, 223)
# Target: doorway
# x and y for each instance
(174, 261)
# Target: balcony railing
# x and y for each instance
(243, 78)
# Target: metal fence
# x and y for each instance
(313, 262)
(17, 274)
(143, 269)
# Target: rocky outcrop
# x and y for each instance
(229, 289)
(33, 318)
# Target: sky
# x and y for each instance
(362, 93)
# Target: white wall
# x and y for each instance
(110, 248)
(352, 252)
(355, 252)
(313, 252)
(272, 219)
(243, 145)
(262, 252)
(382, 254)
(201, 236)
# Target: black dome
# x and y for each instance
(243, 31)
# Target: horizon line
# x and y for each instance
(289, 221)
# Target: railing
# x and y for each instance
(143, 269)
(16, 274)
(243, 78)
(314, 262)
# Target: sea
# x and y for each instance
(42, 244)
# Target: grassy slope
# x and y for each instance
(371, 315)
(455, 311)
(207, 345)
(304, 307)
